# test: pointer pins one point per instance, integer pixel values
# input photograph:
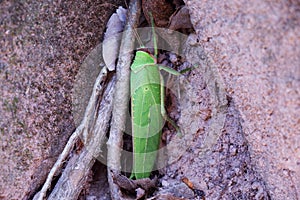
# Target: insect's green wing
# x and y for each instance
(147, 121)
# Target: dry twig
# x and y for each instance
(121, 97)
(93, 127)
(75, 175)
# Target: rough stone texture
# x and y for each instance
(255, 47)
(213, 153)
(42, 46)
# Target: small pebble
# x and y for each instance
(173, 57)
(165, 183)
(193, 39)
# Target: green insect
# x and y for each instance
(147, 110)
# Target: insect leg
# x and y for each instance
(163, 110)
(169, 70)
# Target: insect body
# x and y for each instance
(147, 120)
(147, 109)
(148, 114)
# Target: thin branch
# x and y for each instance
(82, 129)
(121, 97)
(58, 164)
(75, 175)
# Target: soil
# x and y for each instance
(239, 109)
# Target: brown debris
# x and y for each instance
(172, 14)
(139, 186)
(197, 192)
(160, 10)
(166, 197)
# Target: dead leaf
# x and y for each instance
(180, 19)
(132, 186)
(112, 38)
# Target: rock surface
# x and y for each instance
(255, 48)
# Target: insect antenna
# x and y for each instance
(138, 38)
(154, 35)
